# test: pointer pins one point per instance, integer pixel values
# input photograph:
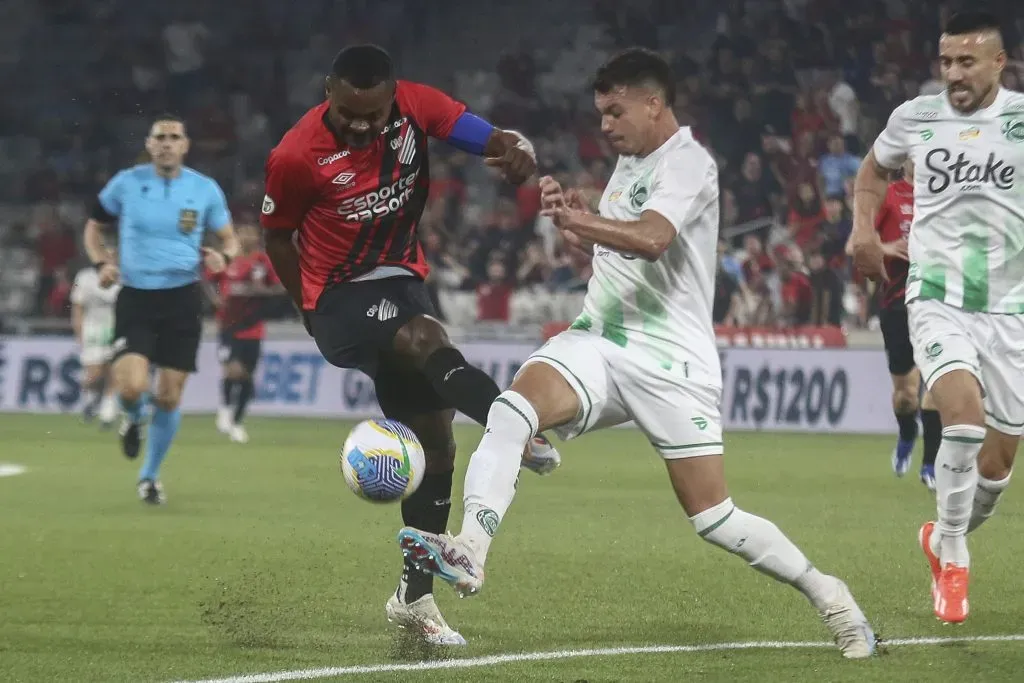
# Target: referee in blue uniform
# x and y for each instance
(161, 211)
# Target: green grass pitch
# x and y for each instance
(263, 561)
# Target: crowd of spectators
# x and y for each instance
(788, 94)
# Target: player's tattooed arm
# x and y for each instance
(865, 245)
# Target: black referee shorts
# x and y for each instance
(896, 336)
(354, 326)
(164, 325)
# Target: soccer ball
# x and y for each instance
(382, 461)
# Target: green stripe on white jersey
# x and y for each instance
(967, 238)
(661, 309)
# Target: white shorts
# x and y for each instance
(679, 416)
(988, 345)
(95, 355)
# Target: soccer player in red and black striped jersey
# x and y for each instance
(893, 225)
(345, 189)
(243, 292)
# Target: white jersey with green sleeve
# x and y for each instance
(97, 308)
(661, 309)
(967, 239)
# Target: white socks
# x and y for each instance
(494, 469)
(985, 498)
(765, 548)
(956, 478)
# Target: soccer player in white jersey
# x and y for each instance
(643, 350)
(92, 319)
(965, 289)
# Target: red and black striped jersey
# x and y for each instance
(356, 209)
(893, 223)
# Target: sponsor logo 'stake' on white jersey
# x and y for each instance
(97, 307)
(661, 309)
(967, 239)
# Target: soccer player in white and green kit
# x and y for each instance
(643, 350)
(965, 289)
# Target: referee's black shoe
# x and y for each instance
(131, 438)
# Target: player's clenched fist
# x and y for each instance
(868, 255)
(519, 162)
(109, 275)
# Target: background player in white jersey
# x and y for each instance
(965, 289)
(92, 319)
(643, 350)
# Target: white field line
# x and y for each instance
(474, 662)
(8, 469)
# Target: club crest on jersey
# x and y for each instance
(614, 196)
(638, 195)
(268, 205)
(970, 133)
(406, 147)
(188, 219)
(344, 178)
(1013, 130)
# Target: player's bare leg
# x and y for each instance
(931, 428)
(905, 389)
(94, 385)
(699, 484)
(412, 606)
(425, 343)
(995, 464)
(131, 379)
(539, 399)
(957, 395)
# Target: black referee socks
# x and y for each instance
(463, 386)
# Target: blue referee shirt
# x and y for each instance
(161, 222)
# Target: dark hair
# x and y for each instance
(363, 66)
(971, 22)
(168, 117)
(636, 66)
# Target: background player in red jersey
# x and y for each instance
(893, 225)
(345, 189)
(241, 297)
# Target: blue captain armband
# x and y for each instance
(470, 134)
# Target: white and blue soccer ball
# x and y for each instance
(382, 461)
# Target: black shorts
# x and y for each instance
(164, 325)
(354, 326)
(244, 351)
(896, 335)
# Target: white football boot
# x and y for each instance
(225, 421)
(237, 434)
(423, 618)
(444, 556)
(540, 456)
(848, 625)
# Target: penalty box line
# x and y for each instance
(515, 658)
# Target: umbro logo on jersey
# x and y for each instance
(344, 178)
(383, 311)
